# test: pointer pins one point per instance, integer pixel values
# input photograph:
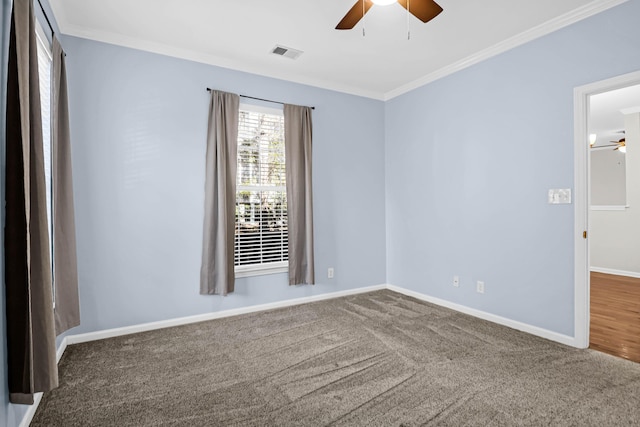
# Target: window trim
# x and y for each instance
(42, 37)
(277, 267)
(262, 269)
(44, 44)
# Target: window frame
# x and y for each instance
(44, 43)
(277, 267)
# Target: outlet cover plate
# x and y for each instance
(559, 196)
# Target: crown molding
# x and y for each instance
(630, 110)
(548, 27)
(195, 56)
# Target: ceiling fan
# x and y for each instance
(619, 144)
(424, 10)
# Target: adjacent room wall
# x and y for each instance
(615, 235)
(138, 128)
(469, 161)
(608, 178)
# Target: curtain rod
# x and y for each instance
(46, 18)
(259, 99)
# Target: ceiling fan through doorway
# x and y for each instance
(620, 145)
(424, 10)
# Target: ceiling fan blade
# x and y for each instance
(600, 147)
(354, 15)
(424, 10)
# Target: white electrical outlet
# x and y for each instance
(456, 281)
(330, 273)
(480, 287)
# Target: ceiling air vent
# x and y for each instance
(286, 51)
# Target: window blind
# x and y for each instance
(261, 198)
(45, 70)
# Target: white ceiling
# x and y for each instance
(382, 64)
(606, 112)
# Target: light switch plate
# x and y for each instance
(559, 196)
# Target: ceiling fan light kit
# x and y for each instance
(424, 10)
(622, 145)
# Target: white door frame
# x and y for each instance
(581, 196)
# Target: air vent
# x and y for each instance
(286, 51)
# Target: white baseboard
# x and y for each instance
(615, 272)
(126, 330)
(524, 327)
(109, 333)
(31, 411)
(61, 349)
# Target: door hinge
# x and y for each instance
(584, 234)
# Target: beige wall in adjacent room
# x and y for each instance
(608, 178)
(615, 235)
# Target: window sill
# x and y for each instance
(261, 269)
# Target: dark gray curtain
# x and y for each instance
(217, 274)
(297, 143)
(65, 270)
(30, 321)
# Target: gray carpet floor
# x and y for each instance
(375, 359)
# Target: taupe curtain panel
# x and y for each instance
(217, 274)
(31, 334)
(65, 270)
(297, 143)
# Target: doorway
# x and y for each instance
(594, 208)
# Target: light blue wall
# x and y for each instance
(469, 160)
(138, 127)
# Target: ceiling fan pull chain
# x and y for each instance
(408, 21)
(363, 12)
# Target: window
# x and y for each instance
(261, 239)
(45, 72)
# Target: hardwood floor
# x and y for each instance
(615, 315)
